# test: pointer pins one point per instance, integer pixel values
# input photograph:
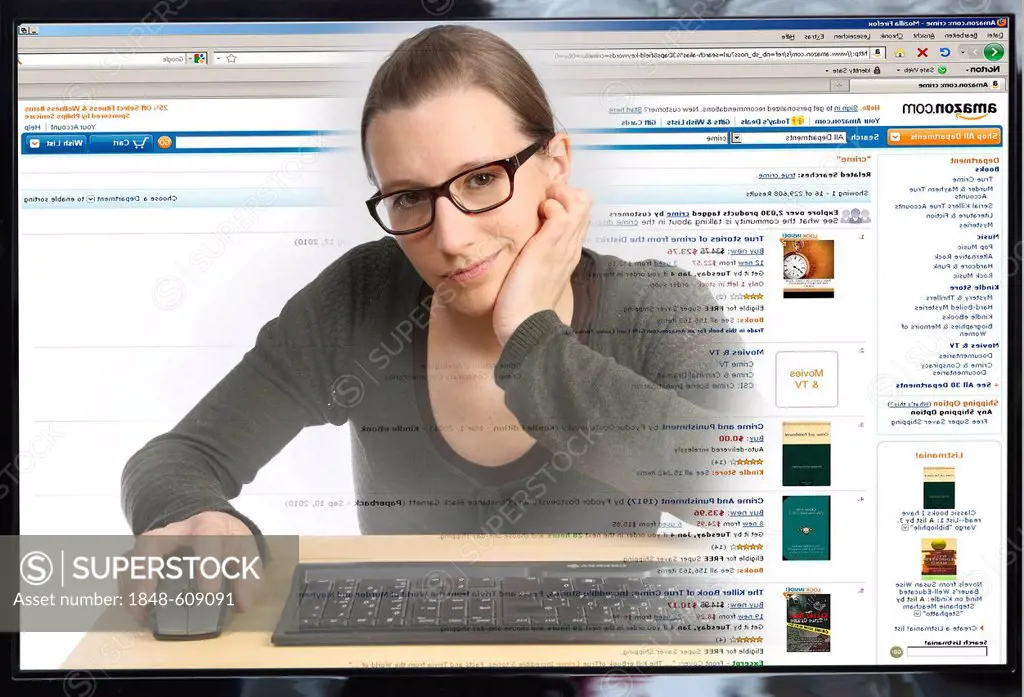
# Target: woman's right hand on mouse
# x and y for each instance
(207, 534)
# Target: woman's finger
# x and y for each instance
(209, 544)
(564, 195)
(581, 210)
(551, 209)
(157, 544)
(150, 545)
(246, 587)
(578, 221)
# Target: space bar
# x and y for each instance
(348, 629)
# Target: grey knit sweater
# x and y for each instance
(610, 400)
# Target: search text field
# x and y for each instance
(228, 142)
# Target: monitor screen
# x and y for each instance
(560, 343)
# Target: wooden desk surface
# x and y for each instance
(137, 650)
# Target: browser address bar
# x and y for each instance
(310, 58)
(697, 55)
(564, 56)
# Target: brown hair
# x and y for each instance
(452, 56)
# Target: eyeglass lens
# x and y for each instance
(474, 191)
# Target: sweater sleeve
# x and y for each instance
(614, 419)
(280, 386)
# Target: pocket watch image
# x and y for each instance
(795, 265)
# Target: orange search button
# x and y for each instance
(944, 136)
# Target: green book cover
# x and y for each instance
(806, 529)
(807, 454)
(939, 487)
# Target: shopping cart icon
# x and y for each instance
(140, 144)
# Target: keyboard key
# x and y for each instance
(392, 610)
(599, 616)
(440, 584)
(556, 585)
(363, 615)
(569, 602)
(639, 608)
(311, 609)
(339, 610)
(545, 620)
(453, 612)
(481, 607)
(482, 582)
(426, 608)
(571, 616)
(318, 588)
(373, 586)
(366, 604)
(454, 608)
(622, 584)
(526, 585)
(311, 603)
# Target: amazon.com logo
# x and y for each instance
(967, 111)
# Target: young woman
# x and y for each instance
(498, 377)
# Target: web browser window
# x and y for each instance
(837, 189)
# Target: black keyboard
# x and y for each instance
(445, 603)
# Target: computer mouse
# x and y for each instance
(184, 613)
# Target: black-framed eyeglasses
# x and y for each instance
(476, 190)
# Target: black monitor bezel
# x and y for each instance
(17, 12)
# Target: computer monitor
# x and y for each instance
(672, 345)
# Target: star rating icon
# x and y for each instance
(749, 462)
(749, 546)
(753, 296)
(748, 640)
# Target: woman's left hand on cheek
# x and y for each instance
(542, 270)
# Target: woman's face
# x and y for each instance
(437, 139)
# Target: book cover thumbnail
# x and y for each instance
(938, 559)
(808, 268)
(939, 487)
(806, 528)
(808, 623)
(807, 454)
